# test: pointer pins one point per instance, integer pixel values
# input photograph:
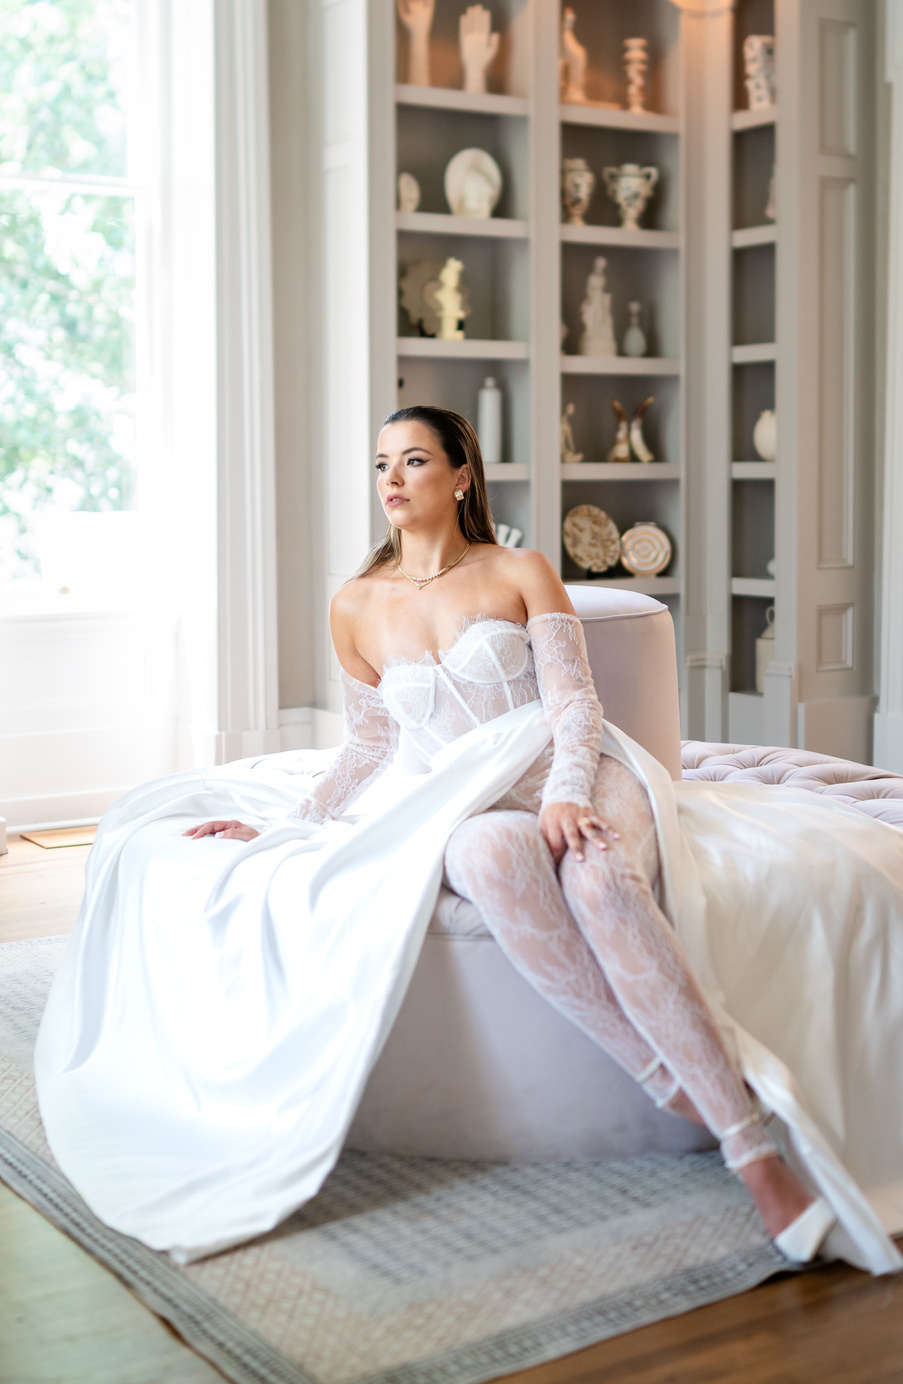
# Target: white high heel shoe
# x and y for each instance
(801, 1240)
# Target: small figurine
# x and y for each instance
(408, 192)
(572, 63)
(568, 454)
(621, 450)
(637, 441)
(445, 296)
(417, 18)
(598, 337)
(478, 46)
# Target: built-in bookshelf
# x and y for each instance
(739, 299)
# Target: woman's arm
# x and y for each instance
(370, 740)
(569, 698)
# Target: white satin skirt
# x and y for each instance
(221, 1004)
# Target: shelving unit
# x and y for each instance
(741, 313)
(754, 355)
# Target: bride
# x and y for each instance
(245, 941)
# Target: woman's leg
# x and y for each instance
(611, 895)
(500, 862)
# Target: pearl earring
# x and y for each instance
(459, 493)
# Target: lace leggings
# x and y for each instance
(591, 938)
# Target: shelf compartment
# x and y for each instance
(753, 586)
(752, 354)
(620, 471)
(753, 471)
(649, 122)
(451, 99)
(755, 235)
(440, 223)
(619, 365)
(745, 718)
(617, 235)
(752, 120)
(434, 349)
(646, 586)
(507, 471)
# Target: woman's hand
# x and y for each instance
(567, 827)
(229, 831)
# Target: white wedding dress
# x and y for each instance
(221, 1004)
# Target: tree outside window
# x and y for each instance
(67, 278)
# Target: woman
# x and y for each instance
(455, 639)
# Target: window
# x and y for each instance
(67, 301)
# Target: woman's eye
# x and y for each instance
(381, 466)
(416, 461)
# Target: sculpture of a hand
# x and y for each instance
(478, 46)
(417, 18)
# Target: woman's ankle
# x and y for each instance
(777, 1191)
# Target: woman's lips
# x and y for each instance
(395, 500)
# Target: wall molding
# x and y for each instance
(246, 556)
(888, 721)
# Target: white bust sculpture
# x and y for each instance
(572, 62)
(444, 294)
(598, 337)
(477, 194)
(478, 46)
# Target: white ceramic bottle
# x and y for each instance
(634, 343)
(489, 422)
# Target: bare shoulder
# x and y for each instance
(349, 609)
(535, 579)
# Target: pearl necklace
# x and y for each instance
(421, 582)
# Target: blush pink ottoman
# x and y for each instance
(873, 791)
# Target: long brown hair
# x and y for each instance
(462, 447)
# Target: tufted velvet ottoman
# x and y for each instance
(874, 791)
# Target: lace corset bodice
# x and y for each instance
(488, 670)
(493, 666)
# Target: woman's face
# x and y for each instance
(415, 482)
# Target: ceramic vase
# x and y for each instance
(489, 421)
(578, 184)
(765, 435)
(758, 61)
(630, 186)
(764, 650)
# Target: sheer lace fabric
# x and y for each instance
(370, 741)
(590, 935)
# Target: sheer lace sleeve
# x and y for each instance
(371, 738)
(570, 702)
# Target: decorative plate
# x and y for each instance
(645, 550)
(473, 183)
(591, 538)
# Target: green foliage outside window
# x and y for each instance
(66, 269)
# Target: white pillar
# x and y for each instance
(706, 100)
(889, 716)
(218, 498)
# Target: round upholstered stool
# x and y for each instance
(480, 1066)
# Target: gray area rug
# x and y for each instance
(410, 1270)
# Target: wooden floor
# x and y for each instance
(66, 1320)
